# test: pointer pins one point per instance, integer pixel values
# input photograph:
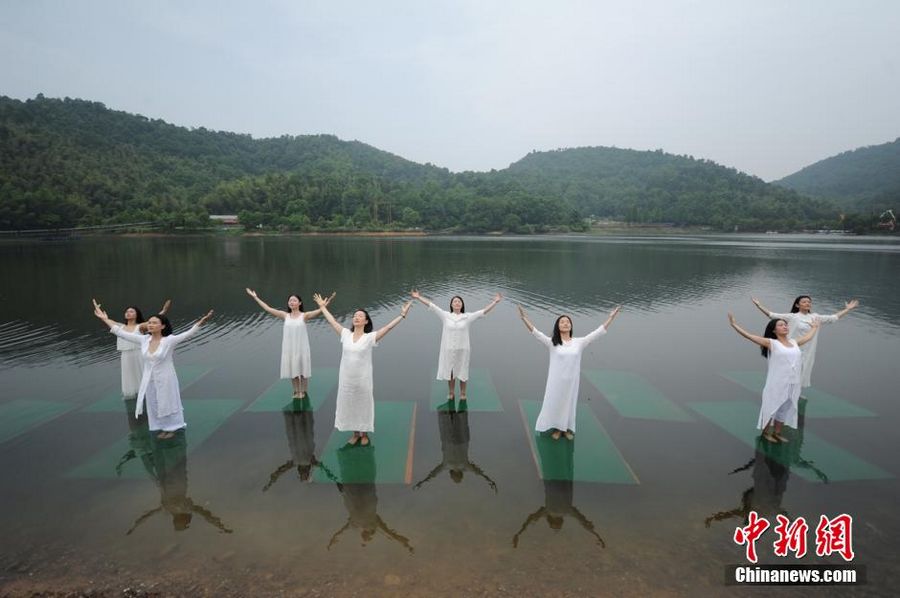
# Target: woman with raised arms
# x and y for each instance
(564, 374)
(356, 399)
(800, 321)
(159, 383)
(453, 361)
(781, 394)
(295, 358)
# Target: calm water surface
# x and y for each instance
(645, 500)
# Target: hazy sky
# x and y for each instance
(764, 86)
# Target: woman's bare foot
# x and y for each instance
(364, 441)
(555, 435)
(462, 397)
(778, 436)
(570, 435)
(354, 439)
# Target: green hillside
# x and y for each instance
(68, 162)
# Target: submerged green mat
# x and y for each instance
(203, 417)
(387, 459)
(807, 452)
(821, 404)
(112, 401)
(634, 397)
(481, 395)
(20, 416)
(590, 457)
(278, 396)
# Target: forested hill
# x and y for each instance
(653, 186)
(867, 178)
(72, 163)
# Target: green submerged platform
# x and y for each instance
(591, 457)
(278, 396)
(808, 452)
(387, 460)
(821, 404)
(203, 417)
(635, 398)
(481, 394)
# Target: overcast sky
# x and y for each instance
(764, 86)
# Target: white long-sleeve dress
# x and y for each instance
(563, 379)
(782, 391)
(356, 399)
(453, 361)
(295, 358)
(132, 367)
(159, 382)
(799, 324)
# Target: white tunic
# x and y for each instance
(159, 382)
(132, 368)
(295, 360)
(454, 357)
(355, 398)
(799, 325)
(782, 391)
(563, 378)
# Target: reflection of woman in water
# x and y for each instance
(771, 469)
(561, 393)
(300, 429)
(159, 382)
(355, 397)
(295, 358)
(453, 361)
(454, 429)
(131, 352)
(800, 321)
(170, 465)
(558, 461)
(782, 390)
(357, 488)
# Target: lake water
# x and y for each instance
(645, 500)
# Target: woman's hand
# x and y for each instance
(205, 318)
(731, 316)
(852, 304)
(498, 297)
(415, 294)
(330, 297)
(405, 309)
(251, 292)
(99, 312)
(320, 301)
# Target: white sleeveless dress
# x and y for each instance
(781, 394)
(295, 359)
(132, 367)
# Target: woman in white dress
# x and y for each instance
(453, 361)
(131, 352)
(781, 394)
(564, 375)
(159, 383)
(800, 320)
(295, 358)
(356, 399)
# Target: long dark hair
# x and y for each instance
(167, 325)
(557, 338)
(796, 306)
(299, 298)
(462, 309)
(368, 327)
(139, 316)
(770, 333)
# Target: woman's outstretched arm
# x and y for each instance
(390, 325)
(761, 307)
(316, 312)
(323, 307)
(497, 299)
(271, 310)
(525, 319)
(759, 340)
